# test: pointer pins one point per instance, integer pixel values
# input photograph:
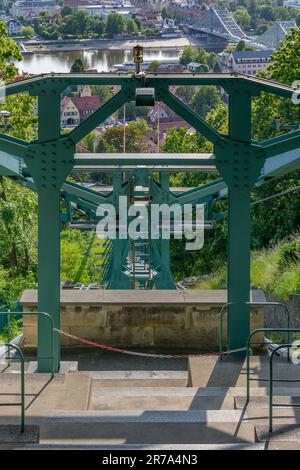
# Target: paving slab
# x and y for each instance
(281, 433)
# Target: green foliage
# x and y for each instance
(134, 137)
(88, 142)
(12, 331)
(201, 56)
(243, 18)
(275, 270)
(12, 285)
(77, 66)
(78, 256)
(18, 220)
(115, 24)
(66, 10)
(262, 14)
(9, 53)
(205, 99)
(27, 31)
(131, 26)
(285, 65)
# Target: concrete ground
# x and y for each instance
(200, 405)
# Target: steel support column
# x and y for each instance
(239, 226)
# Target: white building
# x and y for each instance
(105, 10)
(13, 27)
(32, 8)
(248, 62)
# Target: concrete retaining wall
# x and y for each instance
(275, 317)
(140, 319)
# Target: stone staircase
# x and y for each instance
(202, 408)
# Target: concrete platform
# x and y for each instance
(155, 409)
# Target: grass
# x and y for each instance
(275, 270)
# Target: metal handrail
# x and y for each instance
(272, 380)
(22, 402)
(52, 332)
(249, 343)
(251, 304)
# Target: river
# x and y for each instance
(102, 60)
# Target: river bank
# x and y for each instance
(102, 60)
(105, 44)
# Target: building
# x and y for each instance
(248, 62)
(292, 3)
(32, 8)
(195, 67)
(75, 109)
(13, 27)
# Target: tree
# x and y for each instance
(240, 46)
(77, 66)
(66, 11)
(27, 31)
(9, 53)
(131, 26)
(243, 18)
(153, 66)
(134, 138)
(187, 55)
(99, 26)
(115, 24)
(205, 99)
(164, 13)
(285, 63)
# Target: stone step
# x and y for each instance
(145, 427)
(143, 416)
(138, 378)
(11, 434)
(263, 402)
(159, 398)
(184, 447)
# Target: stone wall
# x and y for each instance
(140, 319)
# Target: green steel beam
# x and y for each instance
(9, 164)
(92, 160)
(224, 80)
(285, 143)
(190, 117)
(106, 110)
(12, 145)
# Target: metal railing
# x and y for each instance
(272, 380)
(46, 315)
(22, 392)
(250, 304)
(249, 343)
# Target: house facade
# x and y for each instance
(248, 62)
(75, 109)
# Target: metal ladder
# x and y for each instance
(139, 266)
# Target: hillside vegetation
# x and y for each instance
(276, 270)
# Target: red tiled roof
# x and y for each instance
(83, 103)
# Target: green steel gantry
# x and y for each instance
(240, 161)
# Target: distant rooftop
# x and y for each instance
(251, 54)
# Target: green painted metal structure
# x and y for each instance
(49, 160)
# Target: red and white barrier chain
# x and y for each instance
(131, 353)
